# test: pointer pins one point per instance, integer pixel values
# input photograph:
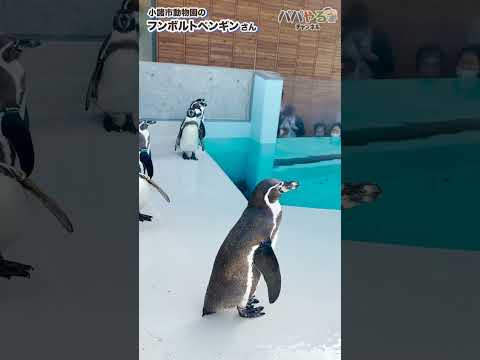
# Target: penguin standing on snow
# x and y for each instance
(17, 141)
(247, 253)
(192, 130)
(115, 77)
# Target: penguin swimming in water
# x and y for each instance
(192, 130)
(16, 140)
(14, 209)
(247, 253)
(354, 195)
(115, 77)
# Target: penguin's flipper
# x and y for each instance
(48, 202)
(266, 262)
(201, 130)
(153, 184)
(147, 162)
(93, 84)
(17, 132)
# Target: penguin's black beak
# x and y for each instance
(146, 161)
(16, 131)
(289, 186)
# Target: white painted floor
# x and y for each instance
(177, 251)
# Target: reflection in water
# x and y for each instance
(314, 162)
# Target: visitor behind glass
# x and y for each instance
(290, 125)
(366, 44)
(468, 63)
(430, 62)
(335, 130)
(319, 129)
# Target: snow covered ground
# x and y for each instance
(177, 251)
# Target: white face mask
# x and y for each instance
(467, 74)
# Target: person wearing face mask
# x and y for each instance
(468, 63)
(335, 130)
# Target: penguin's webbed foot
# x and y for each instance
(250, 311)
(252, 301)
(193, 157)
(185, 156)
(144, 217)
(10, 268)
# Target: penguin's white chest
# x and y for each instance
(143, 193)
(14, 210)
(189, 139)
(119, 80)
(276, 210)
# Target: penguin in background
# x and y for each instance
(115, 77)
(14, 207)
(16, 141)
(357, 194)
(247, 253)
(192, 130)
(145, 151)
(145, 172)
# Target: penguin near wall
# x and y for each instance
(14, 207)
(357, 194)
(115, 77)
(192, 130)
(16, 142)
(144, 149)
(247, 253)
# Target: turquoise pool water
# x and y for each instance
(430, 192)
(246, 163)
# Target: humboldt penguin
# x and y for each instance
(16, 140)
(247, 253)
(115, 77)
(145, 152)
(192, 130)
(354, 195)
